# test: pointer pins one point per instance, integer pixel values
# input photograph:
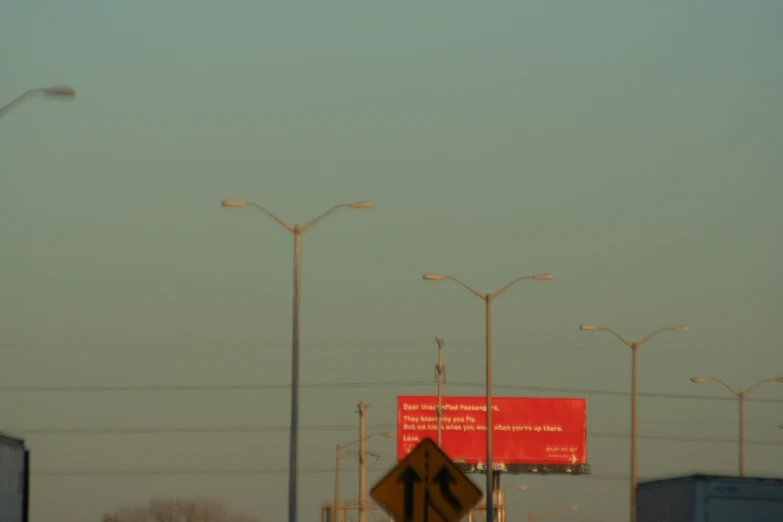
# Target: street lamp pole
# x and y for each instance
(533, 518)
(53, 92)
(297, 231)
(741, 395)
(488, 298)
(634, 346)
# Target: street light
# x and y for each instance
(54, 92)
(488, 298)
(338, 456)
(634, 347)
(741, 399)
(297, 231)
(533, 518)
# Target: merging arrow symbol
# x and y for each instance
(445, 479)
(428, 503)
(408, 477)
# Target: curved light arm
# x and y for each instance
(554, 512)
(357, 205)
(233, 203)
(682, 328)
(436, 277)
(700, 380)
(591, 328)
(59, 92)
(771, 379)
(539, 277)
(16, 101)
(626, 341)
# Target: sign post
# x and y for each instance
(426, 486)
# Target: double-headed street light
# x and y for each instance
(741, 394)
(533, 518)
(297, 231)
(488, 298)
(634, 347)
(53, 92)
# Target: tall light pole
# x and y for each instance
(634, 346)
(488, 298)
(52, 92)
(338, 456)
(297, 231)
(439, 372)
(741, 394)
(533, 518)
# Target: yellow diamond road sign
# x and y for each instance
(426, 486)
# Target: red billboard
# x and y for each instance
(526, 430)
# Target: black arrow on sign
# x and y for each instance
(428, 503)
(445, 479)
(409, 477)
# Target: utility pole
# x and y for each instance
(336, 510)
(362, 464)
(440, 374)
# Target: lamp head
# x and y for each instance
(573, 508)
(362, 204)
(389, 434)
(588, 327)
(543, 277)
(60, 92)
(779, 379)
(521, 487)
(433, 277)
(699, 379)
(233, 203)
(682, 328)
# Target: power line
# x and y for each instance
(340, 427)
(235, 472)
(371, 384)
(155, 431)
(547, 346)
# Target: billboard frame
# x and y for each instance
(517, 468)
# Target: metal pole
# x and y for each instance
(490, 513)
(336, 511)
(634, 348)
(294, 435)
(741, 396)
(362, 464)
(439, 369)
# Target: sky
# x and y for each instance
(632, 149)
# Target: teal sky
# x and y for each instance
(632, 149)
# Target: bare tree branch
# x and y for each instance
(178, 510)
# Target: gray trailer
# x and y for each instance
(14, 480)
(710, 498)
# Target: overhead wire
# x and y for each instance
(368, 384)
(337, 427)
